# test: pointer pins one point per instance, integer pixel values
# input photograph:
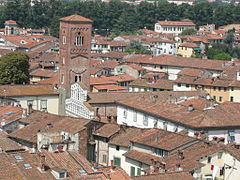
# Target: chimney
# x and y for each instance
(112, 166)
(178, 167)
(24, 113)
(42, 162)
(29, 109)
(190, 108)
(154, 98)
(122, 129)
(180, 155)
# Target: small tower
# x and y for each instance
(75, 48)
(11, 28)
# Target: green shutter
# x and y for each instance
(117, 161)
(132, 173)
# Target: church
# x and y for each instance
(74, 66)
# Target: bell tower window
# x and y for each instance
(79, 40)
(78, 78)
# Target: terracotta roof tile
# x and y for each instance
(37, 122)
(163, 139)
(160, 84)
(188, 44)
(176, 23)
(26, 90)
(76, 17)
(141, 157)
(107, 130)
(124, 137)
(167, 60)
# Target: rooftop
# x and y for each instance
(76, 18)
(27, 90)
(176, 23)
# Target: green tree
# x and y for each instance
(189, 31)
(137, 48)
(14, 68)
(222, 56)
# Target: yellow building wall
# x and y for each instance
(235, 93)
(224, 94)
(185, 51)
(226, 159)
(52, 102)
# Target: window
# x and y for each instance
(214, 88)
(117, 148)
(219, 88)
(79, 40)
(132, 171)
(209, 159)
(135, 116)
(27, 166)
(232, 88)
(220, 98)
(220, 155)
(145, 120)
(125, 114)
(179, 84)
(231, 98)
(43, 105)
(165, 125)
(64, 40)
(158, 152)
(231, 135)
(104, 158)
(187, 85)
(62, 174)
(225, 89)
(78, 78)
(214, 98)
(138, 171)
(117, 161)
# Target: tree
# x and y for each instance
(189, 31)
(136, 47)
(222, 56)
(14, 68)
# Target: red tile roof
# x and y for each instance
(163, 139)
(125, 135)
(167, 60)
(188, 44)
(217, 116)
(27, 90)
(107, 130)
(111, 87)
(38, 121)
(176, 23)
(76, 18)
(159, 84)
(47, 73)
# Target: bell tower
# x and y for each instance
(75, 48)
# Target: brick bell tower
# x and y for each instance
(75, 48)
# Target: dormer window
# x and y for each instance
(59, 174)
(23, 42)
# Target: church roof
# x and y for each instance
(75, 17)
